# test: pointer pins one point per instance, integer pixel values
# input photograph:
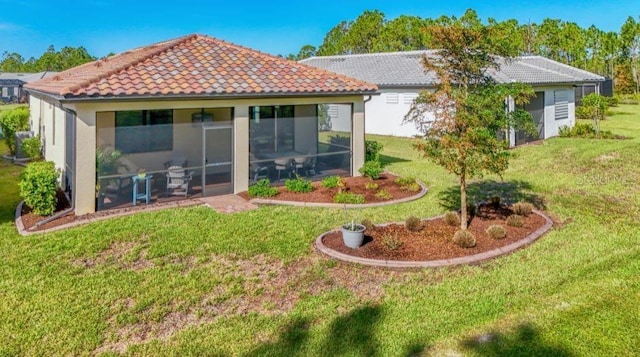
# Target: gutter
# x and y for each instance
(73, 183)
(214, 96)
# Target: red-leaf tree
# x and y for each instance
(465, 120)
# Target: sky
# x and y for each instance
(273, 26)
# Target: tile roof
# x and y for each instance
(195, 65)
(404, 69)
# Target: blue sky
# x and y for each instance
(273, 26)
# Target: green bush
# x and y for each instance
(371, 186)
(331, 181)
(404, 181)
(38, 187)
(372, 150)
(612, 101)
(582, 112)
(32, 147)
(391, 242)
(522, 208)
(515, 220)
(496, 231)
(464, 238)
(348, 197)
(11, 122)
(298, 184)
(368, 224)
(383, 195)
(371, 169)
(262, 188)
(413, 224)
(452, 218)
(584, 130)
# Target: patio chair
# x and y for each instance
(178, 180)
(283, 165)
(309, 166)
(298, 164)
(257, 170)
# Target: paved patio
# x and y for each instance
(228, 203)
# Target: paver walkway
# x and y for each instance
(228, 203)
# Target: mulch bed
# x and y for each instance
(29, 219)
(354, 185)
(434, 241)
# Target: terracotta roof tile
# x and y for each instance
(195, 65)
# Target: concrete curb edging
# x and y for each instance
(24, 232)
(263, 201)
(470, 259)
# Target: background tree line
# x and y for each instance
(51, 60)
(611, 54)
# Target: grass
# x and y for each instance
(195, 282)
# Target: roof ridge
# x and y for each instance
(373, 54)
(162, 47)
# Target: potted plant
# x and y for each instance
(353, 234)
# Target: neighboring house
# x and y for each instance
(11, 85)
(201, 116)
(400, 76)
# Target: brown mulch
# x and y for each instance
(354, 185)
(434, 241)
(29, 219)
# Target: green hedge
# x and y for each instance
(11, 122)
(38, 187)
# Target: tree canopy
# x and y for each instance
(611, 54)
(50, 60)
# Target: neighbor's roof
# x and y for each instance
(195, 65)
(404, 69)
(24, 77)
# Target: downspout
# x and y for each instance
(73, 181)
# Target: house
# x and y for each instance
(400, 77)
(192, 116)
(11, 85)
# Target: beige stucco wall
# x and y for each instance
(47, 119)
(86, 140)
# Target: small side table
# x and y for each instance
(146, 194)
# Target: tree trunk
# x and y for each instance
(463, 201)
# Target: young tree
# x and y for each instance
(468, 109)
(594, 107)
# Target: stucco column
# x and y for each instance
(241, 148)
(357, 137)
(511, 107)
(84, 193)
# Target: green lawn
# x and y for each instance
(194, 282)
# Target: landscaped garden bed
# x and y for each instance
(350, 190)
(433, 240)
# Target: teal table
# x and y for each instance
(145, 184)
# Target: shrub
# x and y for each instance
(582, 113)
(38, 187)
(383, 195)
(262, 188)
(464, 238)
(11, 122)
(298, 184)
(452, 218)
(413, 224)
(522, 208)
(494, 201)
(404, 181)
(32, 147)
(348, 197)
(612, 101)
(371, 186)
(564, 131)
(371, 169)
(368, 224)
(391, 242)
(372, 150)
(496, 231)
(331, 181)
(515, 220)
(412, 187)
